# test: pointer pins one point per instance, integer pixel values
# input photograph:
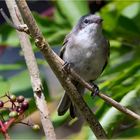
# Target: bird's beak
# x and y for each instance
(99, 21)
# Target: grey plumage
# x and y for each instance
(87, 51)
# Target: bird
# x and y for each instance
(86, 50)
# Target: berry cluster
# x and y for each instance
(17, 107)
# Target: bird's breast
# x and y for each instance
(87, 62)
(86, 58)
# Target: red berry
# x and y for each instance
(1, 103)
(25, 105)
(19, 109)
(20, 99)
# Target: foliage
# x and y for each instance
(121, 78)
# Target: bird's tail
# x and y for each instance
(66, 103)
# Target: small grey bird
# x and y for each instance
(86, 50)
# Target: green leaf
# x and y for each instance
(108, 13)
(129, 30)
(111, 119)
(59, 120)
(4, 87)
(8, 36)
(132, 133)
(73, 9)
(122, 25)
(20, 83)
(132, 10)
(58, 37)
(4, 67)
(125, 74)
(59, 18)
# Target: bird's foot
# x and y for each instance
(96, 90)
(66, 67)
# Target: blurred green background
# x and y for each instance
(120, 80)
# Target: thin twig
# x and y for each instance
(4, 128)
(21, 28)
(56, 66)
(7, 137)
(34, 73)
(25, 123)
(7, 19)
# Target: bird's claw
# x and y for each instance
(96, 90)
(66, 67)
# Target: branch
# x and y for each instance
(34, 72)
(56, 65)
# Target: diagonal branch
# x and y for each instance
(56, 66)
(34, 72)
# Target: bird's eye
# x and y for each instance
(86, 21)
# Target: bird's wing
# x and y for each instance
(64, 45)
(62, 52)
(108, 53)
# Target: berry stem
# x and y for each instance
(8, 124)
(13, 104)
(6, 135)
(25, 123)
(2, 129)
(3, 96)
